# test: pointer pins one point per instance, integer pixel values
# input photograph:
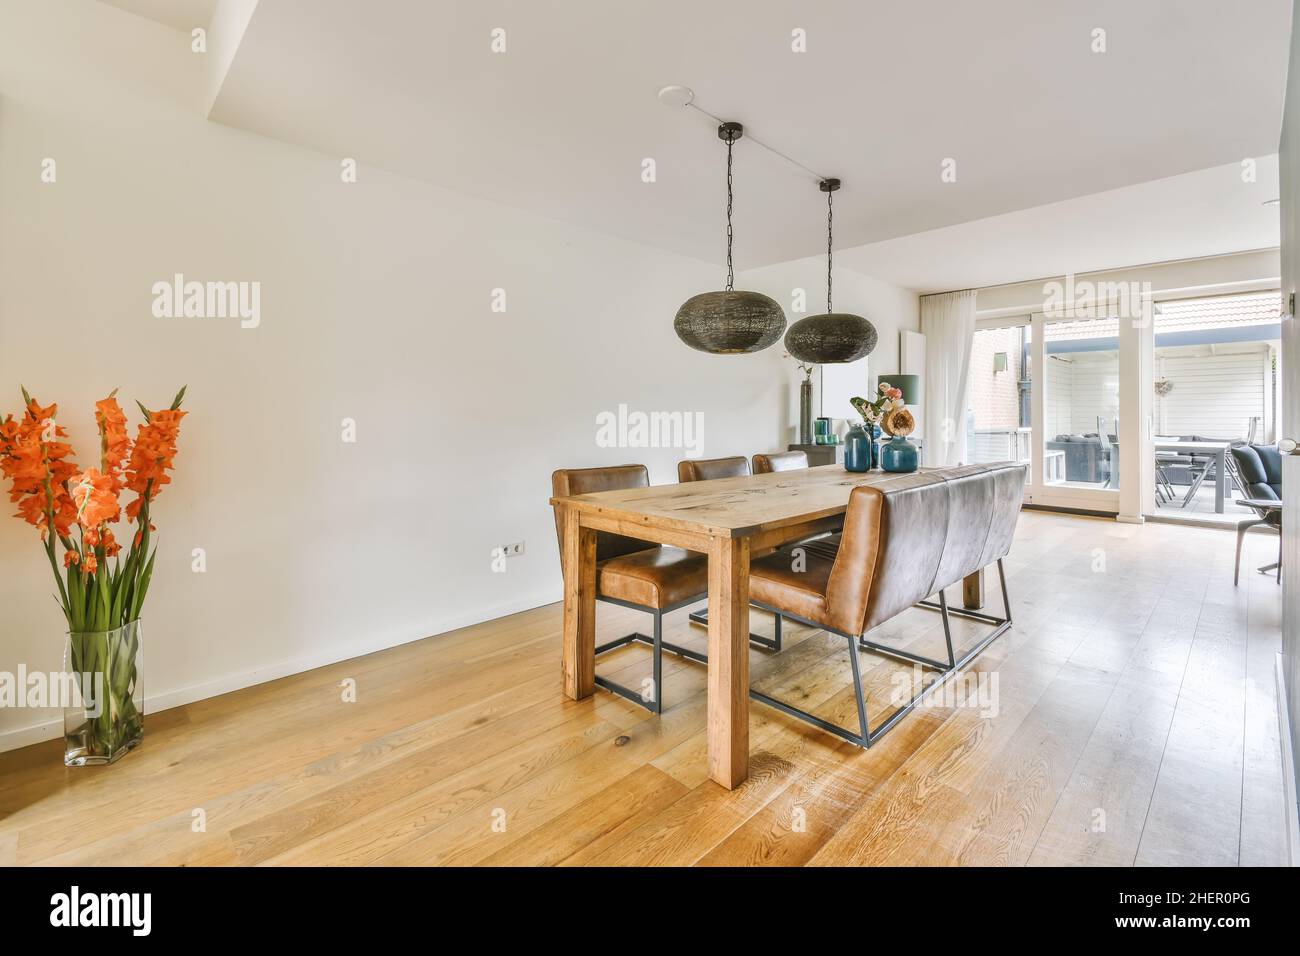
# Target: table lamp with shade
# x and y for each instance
(898, 454)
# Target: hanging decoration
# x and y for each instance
(729, 322)
(833, 337)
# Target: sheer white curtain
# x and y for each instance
(948, 324)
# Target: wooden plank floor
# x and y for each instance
(1127, 718)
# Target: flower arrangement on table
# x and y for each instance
(887, 410)
(100, 591)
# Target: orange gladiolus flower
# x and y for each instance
(151, 457)
(115, 445)
(96, 500)
(71, 557)
(38, 467)
(91, 564)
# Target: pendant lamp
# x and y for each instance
(729, 322)
(834, 337)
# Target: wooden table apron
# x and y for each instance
(726, 519)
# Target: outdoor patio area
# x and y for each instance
(1215, 382)
(1201, 506)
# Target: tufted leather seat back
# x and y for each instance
(586, 481)
(922, 532)
(706, 469)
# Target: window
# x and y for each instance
(998, 391)
(1081, 420)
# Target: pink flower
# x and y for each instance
(894, 392)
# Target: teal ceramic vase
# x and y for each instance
(857, 449)
(898, 454)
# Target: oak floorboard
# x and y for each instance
(1134, 722)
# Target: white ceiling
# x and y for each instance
(181, 14)
(560, 123)
(1205, 213)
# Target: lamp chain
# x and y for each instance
(731, 277)
(829, 233)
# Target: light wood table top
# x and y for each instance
(743, 506)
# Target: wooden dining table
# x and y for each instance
(727, 519)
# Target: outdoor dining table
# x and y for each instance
(1216, 449)
(727, 519)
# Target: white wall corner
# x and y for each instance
(230, 20)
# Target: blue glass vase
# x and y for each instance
(857, 449)
(898, 454)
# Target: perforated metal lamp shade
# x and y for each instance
(832, 338)
(729, 322)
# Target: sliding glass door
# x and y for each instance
(1081, 408)
(1045, 391)
(1125, 409)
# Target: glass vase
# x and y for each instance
(103, 705)
(857, 449)
(898, 455)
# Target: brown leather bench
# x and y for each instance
(899, 546)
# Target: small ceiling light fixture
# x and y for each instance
(834, 337)
(729, 322)
(676, 95)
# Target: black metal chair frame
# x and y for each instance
(865, 735)
(772, 644)
(659, 645)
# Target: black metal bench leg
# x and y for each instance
(1006, 598)
(947, 629)
(865, 736)
(863, 728)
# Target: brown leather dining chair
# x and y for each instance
(903, 541)
(776, 461)
(637, 574)
(708, 469)
(780, 461)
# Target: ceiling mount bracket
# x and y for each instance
(730, 132)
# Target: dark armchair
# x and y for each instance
(1260, 471)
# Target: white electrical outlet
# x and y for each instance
(512, 550)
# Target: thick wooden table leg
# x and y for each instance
(579, 566)
(729, 661)
(972, 591)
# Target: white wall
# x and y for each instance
(375, 306)
(889, 308)
(1197, 405)
(1057, 416)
